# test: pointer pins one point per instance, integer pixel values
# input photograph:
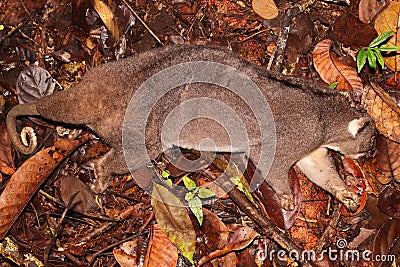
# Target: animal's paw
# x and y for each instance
(287, 201)
(349, 199)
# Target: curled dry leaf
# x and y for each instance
(27, 180)
(383, 110)
(270, 202)
(367, 9)
(353, 169)
(331, 69)
(387, 21)
(387, 160)
(265, 8)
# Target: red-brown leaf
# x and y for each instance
(26, 181)
(331, 69)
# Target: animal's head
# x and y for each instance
(355, 138)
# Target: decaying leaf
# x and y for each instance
(27, 179)
(387, 21)
(367, 9)
(84, 201)
(173, 218)
(34, 83)
(387, 160)
(387, 241)
(265, 8)
(383, 110)
(388, 202)
(242, 236)
(331, 69)
(108, 18)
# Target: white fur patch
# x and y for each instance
(355, 126)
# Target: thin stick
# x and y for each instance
(143, 23)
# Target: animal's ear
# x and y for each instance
(356, 125)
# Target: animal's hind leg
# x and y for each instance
(113, 162)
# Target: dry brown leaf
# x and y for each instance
(383, 110)
(241, 237)
(331, 69)
(367, 9)
(84, 201)
(387, 21)
(387, 160)
(6, 159)
(26, 181)
(161, 252)
(265, 8)
(108, 18)
(126, 255)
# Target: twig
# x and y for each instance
(328, 230)
(143, 23)
(12, 31)
(58, 230)
(93, 256)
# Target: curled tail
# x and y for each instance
(28, 109)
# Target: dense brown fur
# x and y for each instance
(307, 117)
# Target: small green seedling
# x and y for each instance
(194, 196)
(373, 53)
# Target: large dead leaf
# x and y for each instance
(387, 160)
(84, 201)
(27, 179)
(265, 8)
(387, 21)
(108, 18)
(174, 220)
(383, 110)
(367, 9)
(331, 69)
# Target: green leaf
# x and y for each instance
(165, 174)
(371, 58)
(189, 195)
(168, 182)
(205, 192)
(333, 85)
(189, 183)
(241, 187)
(381, 39)
(197, 208)
(361, 59)
(173, 218)
(387, 48)
(379, 57)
